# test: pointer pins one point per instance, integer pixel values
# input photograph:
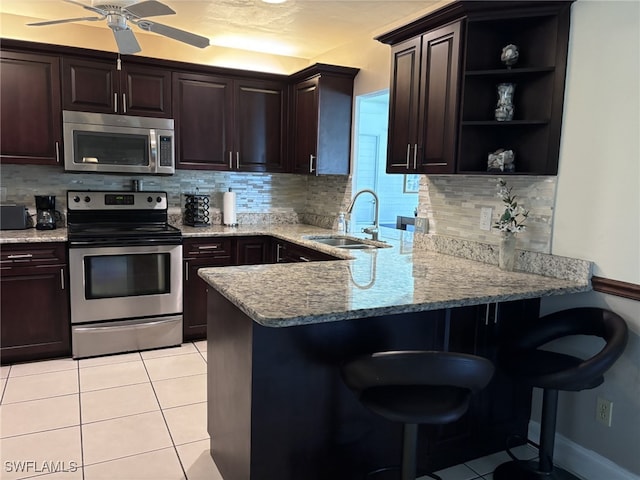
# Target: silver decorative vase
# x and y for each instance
(504, 108)
(507, 254)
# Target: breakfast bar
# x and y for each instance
(277, 335)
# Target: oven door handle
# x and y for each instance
(142, 324)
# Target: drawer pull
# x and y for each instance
(21, 255)
(208, 247)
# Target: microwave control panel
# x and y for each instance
(166, 151)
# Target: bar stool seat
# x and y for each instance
(524, 360)
(416, 387)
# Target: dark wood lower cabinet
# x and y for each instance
(201, 252)
(277, 403)
(35, 302)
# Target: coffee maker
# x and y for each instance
(45, 212)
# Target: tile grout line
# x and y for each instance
(80, 419)
(4, 387)
(164, 419)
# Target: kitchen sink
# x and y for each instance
(344, 242)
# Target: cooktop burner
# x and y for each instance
(98, 217)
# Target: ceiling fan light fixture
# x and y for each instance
(274, 1)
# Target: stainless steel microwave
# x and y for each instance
(97, 142)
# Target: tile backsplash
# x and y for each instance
(452, 203)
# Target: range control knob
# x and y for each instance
(87, 199)
(149, 199)
(159, 199)
(76, 199)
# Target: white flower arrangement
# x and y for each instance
(514, 216)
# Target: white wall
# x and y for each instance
(598, 209)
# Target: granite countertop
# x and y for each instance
(407, 275)
(31, 235)
(383, 281)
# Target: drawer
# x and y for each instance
(29, 254)
(207, 248)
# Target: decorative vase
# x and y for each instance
(507, 255)
(504, 108)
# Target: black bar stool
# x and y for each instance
(416, 387)
(525, 362)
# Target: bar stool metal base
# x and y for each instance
(529, 471)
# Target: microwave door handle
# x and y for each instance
(153, 149)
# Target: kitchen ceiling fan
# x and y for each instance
(119, 14)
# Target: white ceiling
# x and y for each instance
(297, 28)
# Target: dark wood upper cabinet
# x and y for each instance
(30, 112)
(203, 110)
(260, 125)
(229, 124)
(451, 96)
(320, 123)
(99, 86)
(424, 105)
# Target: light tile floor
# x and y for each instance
(133, 416)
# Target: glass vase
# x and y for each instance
(504, 108)
(507, 254)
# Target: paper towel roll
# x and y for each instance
(229, 208)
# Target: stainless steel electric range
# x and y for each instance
(125, 270)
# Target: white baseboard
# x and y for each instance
(581, 461)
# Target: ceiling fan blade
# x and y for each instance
(175, 33)
(66, 20)
(149, 8)
(88, 7)
(126, 40)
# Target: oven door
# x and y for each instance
(111, 283)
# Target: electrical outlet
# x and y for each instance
(421, 225)
(603, 411)
(485, 218)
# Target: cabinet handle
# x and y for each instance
(495, 315)
(304, 259)
(57, 152)
(230, 159)
(62, 278)
(486, 316)
(415, 156)
(208, 247)
(115, 103)
(278, 257)
(238, 160)
(311, 158)
(21, 255)
(124, 103)
(186, 270)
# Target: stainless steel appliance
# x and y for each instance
(125, 272)
(97, 142)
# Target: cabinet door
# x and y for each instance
(305, 126)
(252, 250)
(146, 91)
(35, 313)
(199, 253)
(439, 101)
(202, 107)
(90, 86)
(30, 112)
(259, 109)
(402, 148)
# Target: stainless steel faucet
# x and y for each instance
(373, 231)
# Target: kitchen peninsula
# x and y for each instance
(277, 335)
